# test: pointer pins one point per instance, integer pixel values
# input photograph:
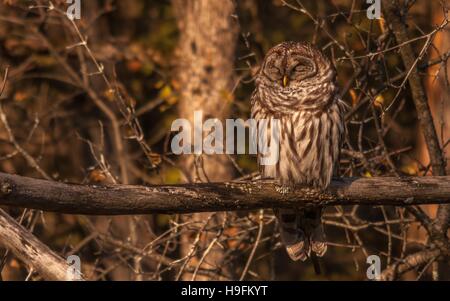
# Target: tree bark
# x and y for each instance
(204, 73)
(32, 252)
(17, 191)
(393, 12)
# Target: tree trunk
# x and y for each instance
(204, 73)
(438, 94)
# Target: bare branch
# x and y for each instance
(417, 90)
(409, 263)
(45, 195)
(31, 251)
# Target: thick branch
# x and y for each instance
(31, 251)
(45, 195)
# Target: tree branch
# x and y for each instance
(394, 14)
(394, 18)
(17, 191)
(31, 251)
(409, 263)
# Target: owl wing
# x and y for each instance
(318, 238)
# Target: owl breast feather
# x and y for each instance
(309, 144)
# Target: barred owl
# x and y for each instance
(296, 85)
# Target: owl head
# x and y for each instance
(295, 75)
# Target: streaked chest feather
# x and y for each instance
(309, 145)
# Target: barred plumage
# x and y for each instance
(296, 85)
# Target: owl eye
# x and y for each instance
(303, 65)
(302, 68)
(273, 72)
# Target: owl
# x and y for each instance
(296, 85)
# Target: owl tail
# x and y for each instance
(302, 232)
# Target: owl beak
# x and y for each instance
(285, 81)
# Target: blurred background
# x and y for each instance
(91, 101)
